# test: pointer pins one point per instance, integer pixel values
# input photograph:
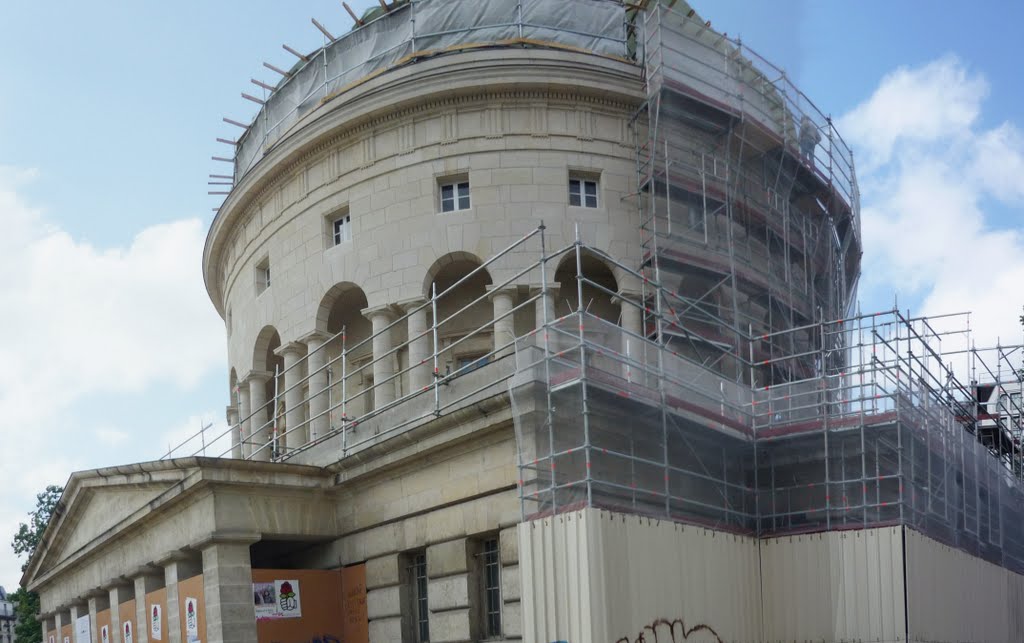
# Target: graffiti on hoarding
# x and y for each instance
(663, 630)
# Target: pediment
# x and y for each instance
(96, 508)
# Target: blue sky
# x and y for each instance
(108, 115)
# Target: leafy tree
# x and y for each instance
(26, 540)
(26, 608)
(28, 536)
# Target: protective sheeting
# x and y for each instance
(597, 576)
(953, 597)
(428, 27)
(668, 442)
(835, 586)
(688, 57)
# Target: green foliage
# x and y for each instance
(26, 607)
(28, 536)
(26, 540)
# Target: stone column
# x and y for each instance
(544, 308)
(294, 417)
(119, 592)
(98, 601)
(46, 622)
(503, 301)
(631, 321)
(231, 414)
(260, 428)
(420, 339)
(147, 579)
(177, 567)
(58, 622)
(383, 365)
(244, 423)
(227, 585)
(316, 361)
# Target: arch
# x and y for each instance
(267, 341)
(331, 297)
(458, 262)
(462, 309)
(341, 308)
(596, 300)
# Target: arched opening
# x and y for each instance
(596, 298)
(263, 407)
(459, 281)
(351, 377)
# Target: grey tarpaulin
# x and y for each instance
(427, 27)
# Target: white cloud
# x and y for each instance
(80, 321)
(932, 181)
(940, 100)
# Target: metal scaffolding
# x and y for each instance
(751, 396)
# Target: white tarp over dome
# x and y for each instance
(425, 28)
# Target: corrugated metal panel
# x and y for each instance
(837, 586)
(953, 596)
(635, 572)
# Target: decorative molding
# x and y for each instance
(407, 137)
(449, 127)
(495, 124)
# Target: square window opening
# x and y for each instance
(454, 193)
(583, 190)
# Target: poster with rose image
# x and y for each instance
(279, 599)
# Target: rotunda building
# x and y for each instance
(540, 326)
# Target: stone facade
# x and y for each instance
(417, 501)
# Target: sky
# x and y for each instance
(109, 111)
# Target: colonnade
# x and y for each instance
(225, 565)
(307, 417)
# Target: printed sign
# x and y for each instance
(52, 639)
(191, 619)
(279, 599)
(82, 631)
(128, 638)
(67, 639)
(156, 626)
(105, 634)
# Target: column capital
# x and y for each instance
(256, 376)
(374, 311)
(411, 303)
(290, 347)
(96, 592)
(117, 582)
(316, 336)
(226, 538)
(145, 571)
(175, 556)
(508, 289)
(550, 287)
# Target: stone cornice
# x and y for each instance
(486, 76)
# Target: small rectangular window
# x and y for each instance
(342, 229)
(262, 276)
(419, 587)
(583, 192)
(491, 562)
(455, 196)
